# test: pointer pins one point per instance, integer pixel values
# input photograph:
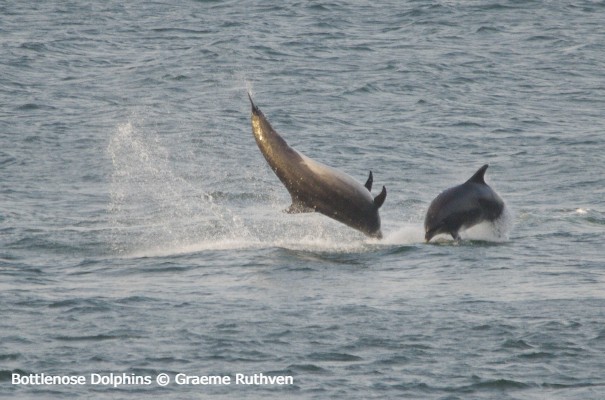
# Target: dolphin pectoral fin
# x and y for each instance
(456, 236)
(379, 200)
(298, 208)
(369, 182)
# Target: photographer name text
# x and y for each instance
(162, 379)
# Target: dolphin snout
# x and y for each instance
(430, 233)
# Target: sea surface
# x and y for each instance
(143, 233)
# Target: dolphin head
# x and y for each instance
(375, 233)
(434, 222)
(429, 233)
(259, 123)
(255, 109)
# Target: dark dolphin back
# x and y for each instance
(490, 203)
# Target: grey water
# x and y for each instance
(142, 232)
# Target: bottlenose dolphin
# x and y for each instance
(315, 186)
(462, 206)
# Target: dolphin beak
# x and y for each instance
(254, 108)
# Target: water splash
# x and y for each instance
(489, 231)
(155, 211)
(409, 233)
(158, 208)
(151, 204)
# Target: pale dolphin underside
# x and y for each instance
(463, 206)
(314, 186)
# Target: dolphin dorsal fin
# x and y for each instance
(369, 182)
(479, 175)
(379, 200)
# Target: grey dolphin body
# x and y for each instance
(462, 206)
(315, 186)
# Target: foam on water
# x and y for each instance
(407, 234)
(290, 243)
(494, 231)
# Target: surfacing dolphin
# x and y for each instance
(315, 186)
(462, 206)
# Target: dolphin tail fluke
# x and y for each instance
(379, 200)
(479, 176)
(369, 182)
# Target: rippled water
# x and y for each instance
(141, 231)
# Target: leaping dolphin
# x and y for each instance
(314, 186)
(462, 206)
